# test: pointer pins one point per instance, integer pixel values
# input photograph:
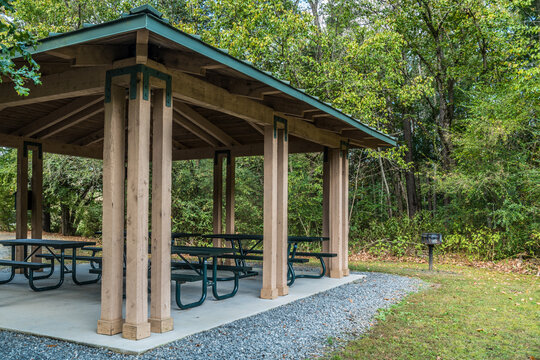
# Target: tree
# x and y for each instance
(14, 41)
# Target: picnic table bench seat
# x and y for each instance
(260, 258)
(315, 254)
(24, 264)
(31, 266)
(96, 259)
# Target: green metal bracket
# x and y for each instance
(218, 152)
(26, 144)
(344, 147)
(285, 124)
(132, 71)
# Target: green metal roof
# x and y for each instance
(146, 17)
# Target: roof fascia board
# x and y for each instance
(111, 28)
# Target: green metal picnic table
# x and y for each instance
(199, 272)
(245, 252)
(49, 245)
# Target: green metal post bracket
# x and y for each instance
(132, 71)
(26, 144)
(285, 124)
(226, 152)
(344, 147)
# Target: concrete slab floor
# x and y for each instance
(71, 312)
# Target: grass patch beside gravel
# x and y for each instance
(466, 314)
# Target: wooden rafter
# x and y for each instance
(91, 55)
(193, 116)
(194, 129)
(72, 121)
(72, 83)
(90, 139)
(58, 115)
(54, 147)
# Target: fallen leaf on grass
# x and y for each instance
(480, 330)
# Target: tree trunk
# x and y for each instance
(67, 227)
(412, 196)
(46, 218)
(396, 179)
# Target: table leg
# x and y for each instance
(203, 292)
(52, 287)
(12, 268)
(74, 271)
(214, 282)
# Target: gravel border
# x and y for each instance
(305, 328)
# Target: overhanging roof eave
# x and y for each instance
(159, 27)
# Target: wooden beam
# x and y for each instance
(58, 115)
(160, 301)
(190, 63)
(336, 212)
(201, 93)
(345, 213)
(230, 183)
(91, 55)
(37, 200)
(90, 139)
(269, 287)
(192, 115)
(72, 121)
(137, 326)
(242, 150)
(287, 106)
(93, 152)
(141, 49)
(178, 145)
(256, 127)
(72, 83)
(194, 129)
(21, 213)
(217, 196)
(305, 130)
(112, 279)
(326, 208)
(282, 212)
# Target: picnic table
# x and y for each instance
(242, 252)
(293, 242)
(50, 245)
(199, 272)
(252, 252)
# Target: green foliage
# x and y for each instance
(464, 75)
(14, 41)
(8, 186)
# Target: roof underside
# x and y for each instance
(195, 126)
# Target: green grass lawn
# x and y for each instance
(466, 313)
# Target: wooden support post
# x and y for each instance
(160, 304)
(326, 208)
(21, 202)
(282, 211)
(137, 326)
(345, 214)
(229, 195)
(336, 212)
(114, 171)
(218, 197)
(269, 288)
(37, 198)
